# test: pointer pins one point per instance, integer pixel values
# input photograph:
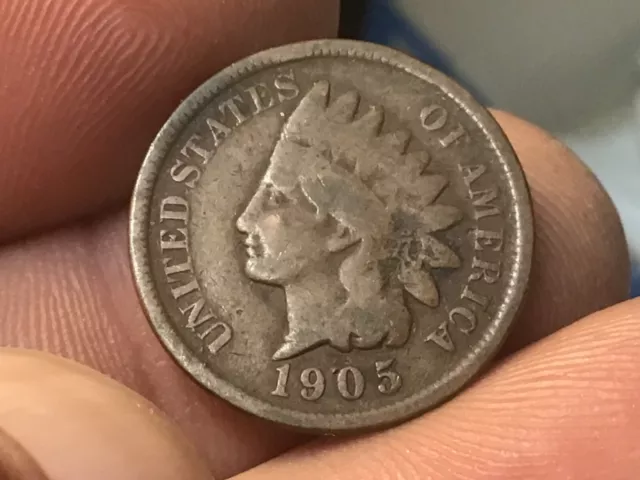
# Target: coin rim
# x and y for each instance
(447, 385)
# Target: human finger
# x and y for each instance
(62, 421)
(86, 84)
(71, 293)
(563, 408)
(581, 260)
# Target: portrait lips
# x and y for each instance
(253, 245)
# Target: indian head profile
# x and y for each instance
(343, 221)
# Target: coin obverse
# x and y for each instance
(331, 235)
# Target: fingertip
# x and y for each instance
(581, 260)
(15, 461)
(86, 84)
(78, 424)
(565, 408)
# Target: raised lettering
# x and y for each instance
(192, 146)
(286, 86)
(489, 271)
(349, 380)
(174, 208)
(453, 136)
(470, 173)
(173, 239)
(218, 130)
(433, 117)
(182, 290)
(487, 239)
(260, 96)
(442, 338)
(313, 382)
(390, 381)
(474, 297)
(461, 315)
(221, 340)
(171, 270)
(480, 200)
(181, 172)
(356, 389)
(193, 311)
(281, 385)
(231, 104)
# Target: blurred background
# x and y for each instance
(572, 67)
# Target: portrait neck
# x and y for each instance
(312, 301)
(318, 291)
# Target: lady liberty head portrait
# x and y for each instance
(342, 220)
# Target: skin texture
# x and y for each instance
(17, 463)
(565, 408)
(72, 433)
(85, 85)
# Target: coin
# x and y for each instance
(331, 235)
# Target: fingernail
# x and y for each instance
(15, 462)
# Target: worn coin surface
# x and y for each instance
(331, 235)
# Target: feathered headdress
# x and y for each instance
(369, 182)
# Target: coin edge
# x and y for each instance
(448, 385)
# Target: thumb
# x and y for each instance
(63, 421)
(15, 461)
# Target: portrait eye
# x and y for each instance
(276, 197)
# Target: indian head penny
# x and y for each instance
(331, 235)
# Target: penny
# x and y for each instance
(331, 235)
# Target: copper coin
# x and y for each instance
(331, 235)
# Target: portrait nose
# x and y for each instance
(247, 220)
(242, 223)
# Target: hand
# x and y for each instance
(85, 86)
